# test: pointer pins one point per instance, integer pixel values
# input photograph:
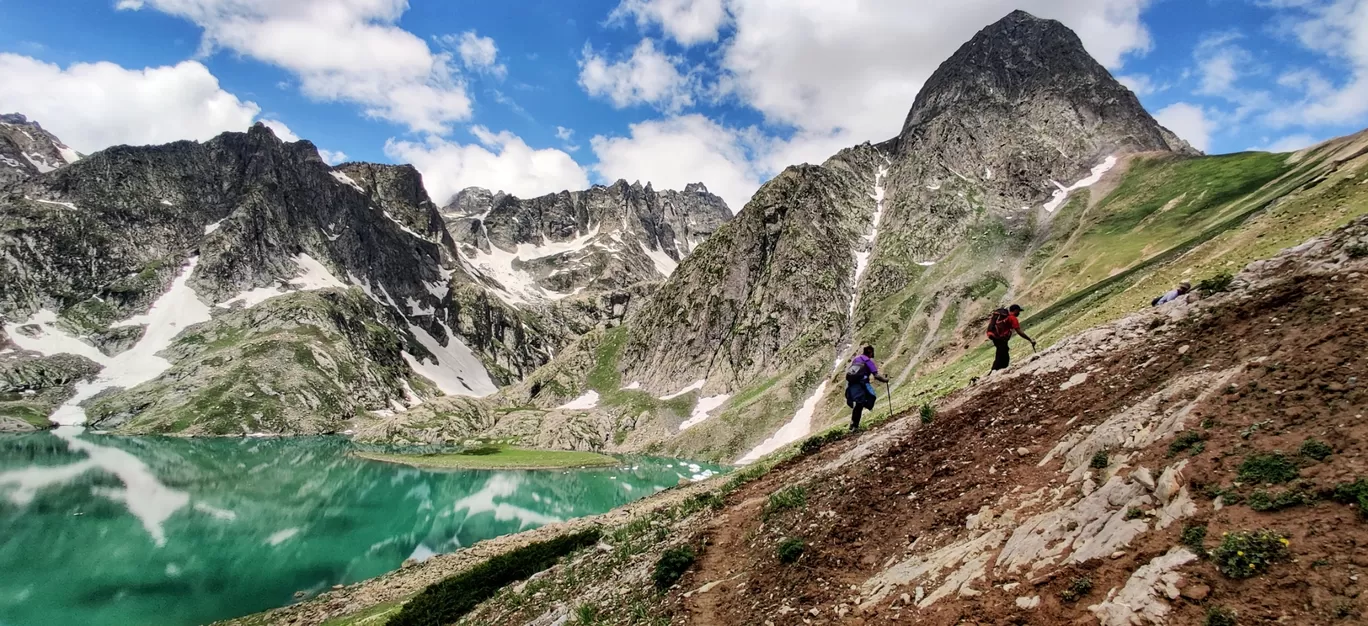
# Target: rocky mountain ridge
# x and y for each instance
(531, 251)
(26, 149)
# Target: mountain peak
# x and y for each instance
(26, 149)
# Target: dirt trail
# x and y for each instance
(1065, 471)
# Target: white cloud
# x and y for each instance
(827, 67)
(1141, 84)
(281, 131)
(688, 22)
(648, 76)
(502, 161)
(1220, 63)
(1337, 29)
(1189, 121)
(332, 158)
(350, 51)
(92, 106)
(478, 53)
(676, 151)
(1290, 143)
(564, 134)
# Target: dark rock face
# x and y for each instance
(602, 239)
(1019, 110)
(768, 290)
(27, 150)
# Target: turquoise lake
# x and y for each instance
(102, 530)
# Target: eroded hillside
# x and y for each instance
(1204, 458)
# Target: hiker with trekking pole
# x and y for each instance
(860, 396)
(1001, 325)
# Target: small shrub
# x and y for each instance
(1078, 589)
(1194, 537)
(447, 601)
(928, 413)
(787, 498)
(1353, 494)
(1219, 616)
(1313, 449)
(1263, 501)
(1189, 440)
(1134, 512)
(813, 444)
(700, 501)
(1216, 284)
(1100, 460)
(587, 614)
(672, 565)
(1245, 554)
(1357, 250)
(481, 451)
(790, 549)
(1272, 468)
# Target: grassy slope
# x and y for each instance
(1168, 220)
(505, 458)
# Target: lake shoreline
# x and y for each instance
(504, 459)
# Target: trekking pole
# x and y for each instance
(888, 386)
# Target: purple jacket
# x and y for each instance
(867, 362)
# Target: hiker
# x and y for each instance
(1001, 325)
(1181, 291)
(860, 396)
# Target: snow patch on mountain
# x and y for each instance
(589, 400)
(703, 410)
(314, 276)
(347, 180)
(663, 263)
(1062, 193)
(178, 308)
(456, 370)
(519, 287)
(695, 386)
(797, 428)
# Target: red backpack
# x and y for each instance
(1000, 324)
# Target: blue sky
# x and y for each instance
(534, 96)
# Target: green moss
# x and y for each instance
(672, 566)
(789, 550)
(1314, 449)
(1270, 468)
(1264, 501)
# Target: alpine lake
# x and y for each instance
(103, 530)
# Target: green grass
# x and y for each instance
(447, 601)
(503, 458)
(1271, 468)
(25, 411)
(792, 497)
(1314, 449)
(371, 616)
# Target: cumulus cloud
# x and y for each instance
(478, 53)
(676, 151)
(1189, 121)
(1220, 63)
(92, 106)
(1141, 84)
(829, 67)
(648, 76)
(500, 161)
(339, 51)
(1338, 30)
(688, 22)
(332, 158)
(1290, 143)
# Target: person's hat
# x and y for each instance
(1015, 307)
(1185, 285)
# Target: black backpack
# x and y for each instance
(857, 373)
(998, 325)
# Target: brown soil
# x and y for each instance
(1302, 346)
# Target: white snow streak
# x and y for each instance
(519, 287)
(39, 163)
(68, 155)
(315, 276)
(663, 263)
(347, 180)
(589, 400)
(1062, 194)
(862, 254)
(695, 386)
(457, 371)
(169, 315)
(51, 338)
(65, 204)
(209, 229)
(797, 428)
(635, 385)
(702, 409)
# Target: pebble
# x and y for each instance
(1196, 593)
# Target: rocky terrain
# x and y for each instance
(604, 238)
(1202, 459)
(27, 150)
(308, 295)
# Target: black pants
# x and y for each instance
(1004, 356)
(855, 417)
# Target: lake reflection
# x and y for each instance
(168, 531)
